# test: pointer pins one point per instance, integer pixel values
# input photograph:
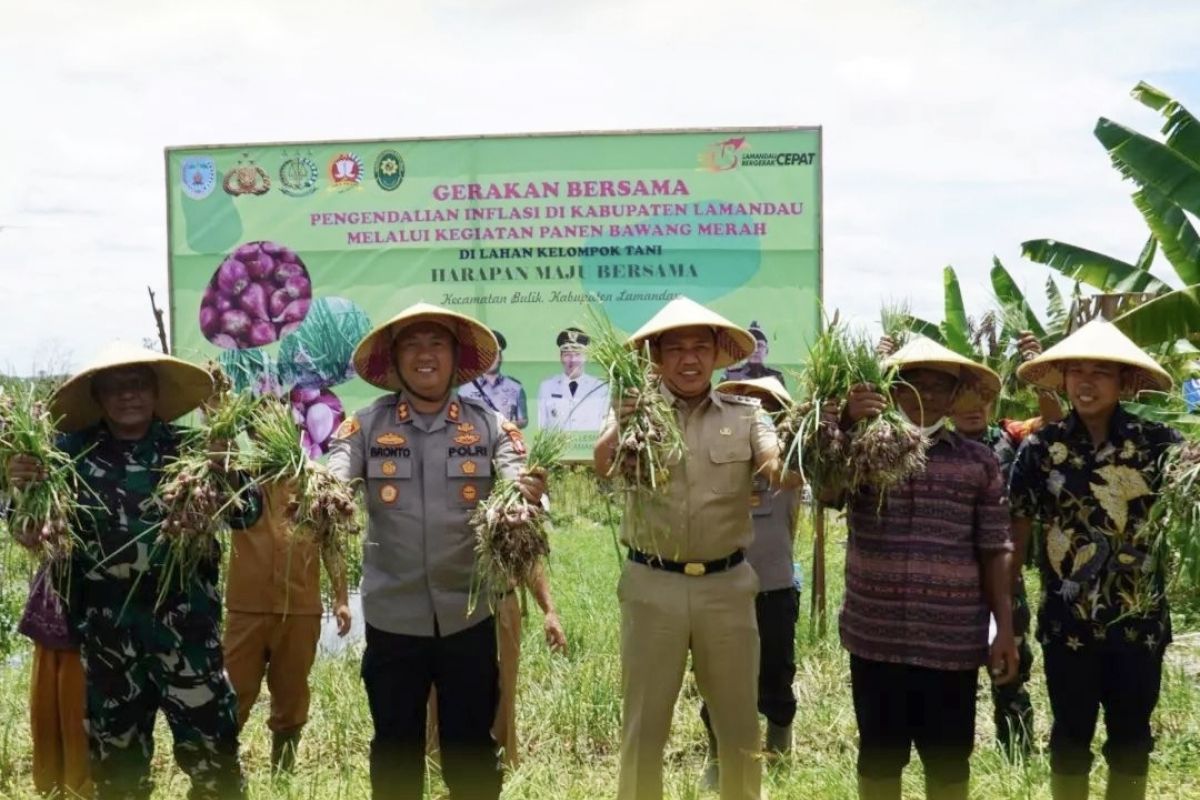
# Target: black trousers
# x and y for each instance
(898, 705)
(398, 672)
(1125, 683)
(777, 611)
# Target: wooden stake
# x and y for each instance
(158, 319)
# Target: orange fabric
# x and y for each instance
(281, 648)
(504, 728)
(56, 724)
(272, 568)
(1019, 429)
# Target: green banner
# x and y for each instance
(282, 256)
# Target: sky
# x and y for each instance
(953, 130)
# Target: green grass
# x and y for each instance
(569, 708)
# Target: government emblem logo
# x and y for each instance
(388, 468)
(298, 176)
(469, 468)
(198, 177)
(389, 170)
(388, 493)
(345, 171)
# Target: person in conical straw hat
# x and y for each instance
(686, 585)
(425, 457)
(149, 642)
(971, 415)
(777, 604)
(1091, 481)
(939, 539)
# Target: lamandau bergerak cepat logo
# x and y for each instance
(736, 152)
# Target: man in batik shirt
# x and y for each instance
(1103, 622)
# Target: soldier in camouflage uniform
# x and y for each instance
(149, 641)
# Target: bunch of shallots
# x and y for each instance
(42, 514)
(194, 494)
(511, 533)
(884, 450)
(649, 439)
(330, 512)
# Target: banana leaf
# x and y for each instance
(1150, 163)
(1173, 316)
(1057, 313)
(1087, 266)
(1181, 128)
(1174, 232)
(954, 327)
(1146, 257)
(1012, 299)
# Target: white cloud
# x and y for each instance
(952, 130)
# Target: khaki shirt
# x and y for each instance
(774, 518)
(273, 569)
(704, 512)
(421, 484)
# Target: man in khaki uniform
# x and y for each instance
(686, 586)
(427, 457)
(273, 595)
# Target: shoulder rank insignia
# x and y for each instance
(514, 436)
(348, 428)
(402, 412)
(453, 412)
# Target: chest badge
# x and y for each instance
(465, 427)
(388, 493)
(469, 493)
(469, 468)
(726, 431)
(390, 440)
(388, 468)
(466, 438)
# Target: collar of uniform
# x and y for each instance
(451, 412)
(946, 436)
(678, 402)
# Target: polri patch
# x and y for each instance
(348, 428)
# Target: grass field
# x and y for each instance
(569, 708)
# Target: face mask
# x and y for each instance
(928, 430)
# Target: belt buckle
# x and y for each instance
(694, 568)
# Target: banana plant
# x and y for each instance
(1168, 176)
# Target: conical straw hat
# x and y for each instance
(923, 352)
(733, 343)
(758, 387)
(1098, 340)
(477, 347)
(181, 386)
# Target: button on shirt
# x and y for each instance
(914, 586)
(704, 512)
(422, 479)
(273, 568)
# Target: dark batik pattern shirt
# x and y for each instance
(914, 584)
(1100, 586)
(119, 567)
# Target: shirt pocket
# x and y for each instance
(729, 466)
(468, 480)
(390, 483)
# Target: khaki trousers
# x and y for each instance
(56, 711)
(504, 729)
(663, 616)
(283, 648)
